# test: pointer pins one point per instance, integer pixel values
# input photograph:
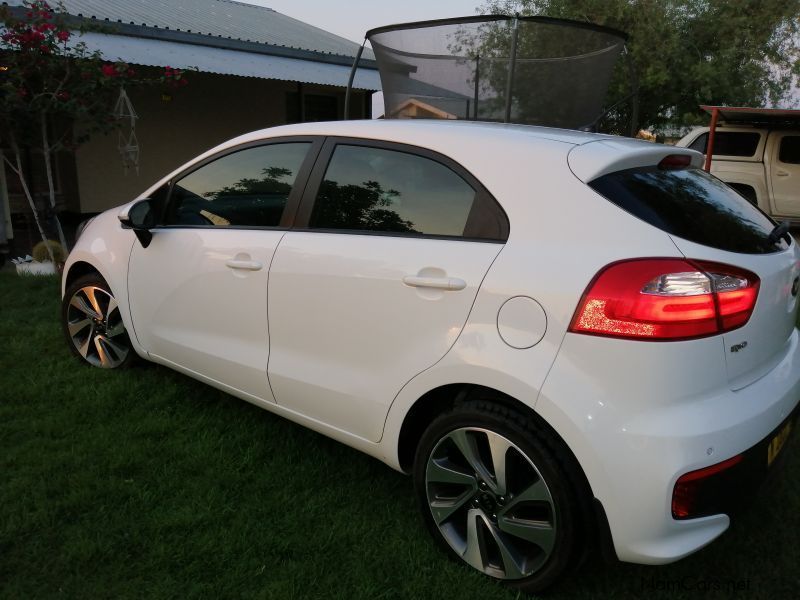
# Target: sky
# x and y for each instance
(352, 18)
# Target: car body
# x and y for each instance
(376, 338)
(762, 163)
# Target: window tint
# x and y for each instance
(246, 188)
(729, 143)
(693, 205)
(373, 189)
(790, 150)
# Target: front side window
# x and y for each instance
(249, 188)
(379, 190)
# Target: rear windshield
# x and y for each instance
(693, 205)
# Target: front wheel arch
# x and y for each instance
(77, 270)
(93, 324)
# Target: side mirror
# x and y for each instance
(140, 217)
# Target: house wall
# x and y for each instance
(208, 111)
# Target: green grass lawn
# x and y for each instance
(145, 483)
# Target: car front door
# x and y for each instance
(198, 292)
(377, 280)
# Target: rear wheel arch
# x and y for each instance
(454, 402)
(443, 398)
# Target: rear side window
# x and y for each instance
(693, 205)
(394, 192)
(729, 143)
(790, 150)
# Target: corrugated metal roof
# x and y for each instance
(229, 62)
(219, 18)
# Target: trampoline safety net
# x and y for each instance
(530, 70)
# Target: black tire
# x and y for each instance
(554, 504)
(92, 324)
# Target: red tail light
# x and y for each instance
(666, 299)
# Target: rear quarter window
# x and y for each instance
(693, 205)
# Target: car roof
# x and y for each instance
(409, 129)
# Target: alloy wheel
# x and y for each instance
(490, 503)
(95, 327)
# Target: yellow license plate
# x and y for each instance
(777, 443)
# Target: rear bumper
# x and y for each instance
(634, 441)
(733, 489)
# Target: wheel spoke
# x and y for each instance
(467, 444)
(83, 349)
(118, 351)
(112, 306)
(475, 553)
(499, 447)
(536, 492)
(78, 326)
(442, 471)
(540, 533)
(105, 360)
(116, 329)
(83, 306)
(510, 557)
(91, 295)
(443, 508)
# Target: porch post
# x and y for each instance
(6, 231)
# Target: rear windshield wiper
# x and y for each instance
(780, 232)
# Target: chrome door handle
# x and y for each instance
(245, 265)
(439, 283)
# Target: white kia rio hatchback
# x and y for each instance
(567, 338)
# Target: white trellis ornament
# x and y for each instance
(127, 145)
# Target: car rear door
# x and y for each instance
(198, 292)
(377, 279)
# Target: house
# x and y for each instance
(255, 68)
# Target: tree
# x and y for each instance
(54, 93)
(689, 52)
(367, 206)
